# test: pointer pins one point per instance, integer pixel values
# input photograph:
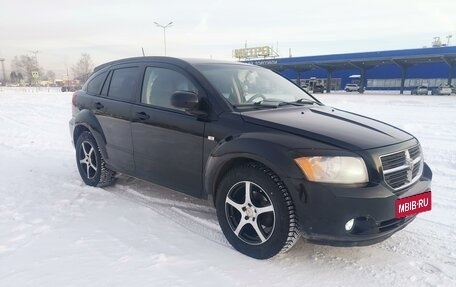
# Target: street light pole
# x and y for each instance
(164, 31)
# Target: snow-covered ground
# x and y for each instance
(55, 231)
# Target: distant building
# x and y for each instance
(382, 70)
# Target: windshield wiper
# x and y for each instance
(276, 104)
(259, 104)
(306, 101)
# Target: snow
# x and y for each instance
(55, 231)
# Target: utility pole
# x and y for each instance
(170, 24)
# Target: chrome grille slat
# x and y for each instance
(394, 170)
(393, 161)
(402, 168)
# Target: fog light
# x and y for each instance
(349, 224)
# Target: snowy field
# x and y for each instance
(55, 231)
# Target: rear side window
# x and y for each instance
(124, 83)
(94, 86)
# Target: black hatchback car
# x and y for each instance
(275, 161)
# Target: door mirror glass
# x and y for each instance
(185, 100)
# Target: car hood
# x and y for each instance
(329, 125)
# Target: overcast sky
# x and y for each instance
(108, 30)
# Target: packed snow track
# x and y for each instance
(56, 231)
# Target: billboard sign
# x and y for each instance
(254, 52)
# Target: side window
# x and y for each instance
(124, 82)
(94, 86)
(159, 85)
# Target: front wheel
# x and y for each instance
(91, 164)
(256, 212)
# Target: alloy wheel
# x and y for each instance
(250, 212)
(87, 159)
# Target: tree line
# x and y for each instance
(25, 67)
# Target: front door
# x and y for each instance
(167, 142)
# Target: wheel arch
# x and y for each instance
(242, 150)
(86, 121)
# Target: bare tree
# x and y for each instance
(50, 76)
(83, 68)
(13, 77)
(25, 65)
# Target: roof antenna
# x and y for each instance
(143, 51)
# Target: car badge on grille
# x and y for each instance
(409, 164)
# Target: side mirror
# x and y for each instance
(185, 100)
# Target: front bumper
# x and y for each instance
(324, 209)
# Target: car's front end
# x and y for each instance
(422, 91)
(365, 211)
(349, 194)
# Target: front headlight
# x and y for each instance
(334, 169)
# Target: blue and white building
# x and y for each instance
(384, 70)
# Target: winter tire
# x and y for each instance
(256, 212)
(91, 164)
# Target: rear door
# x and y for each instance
(113, 111)
(168, 143)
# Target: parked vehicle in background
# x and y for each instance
(352, 88)
(318, 89)
(420, 90)
(305, 87)
(442, 90)
(71, 88)
(275, 161)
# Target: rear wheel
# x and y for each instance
(91, 164)
(255, 211)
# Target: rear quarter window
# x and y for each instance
(94, 85)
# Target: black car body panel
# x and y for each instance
(155, 138)
(330, 125)
(191, 151)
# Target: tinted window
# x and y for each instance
(247, 85)
(159, 84)
(124, 83)
(94, 86)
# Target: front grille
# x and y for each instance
(403, 168)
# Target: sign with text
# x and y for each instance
(413, 204)
(254, 52)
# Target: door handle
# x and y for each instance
(142, 116)
(99, 106)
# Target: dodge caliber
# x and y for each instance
(276, 163)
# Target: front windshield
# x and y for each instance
(245, 85)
